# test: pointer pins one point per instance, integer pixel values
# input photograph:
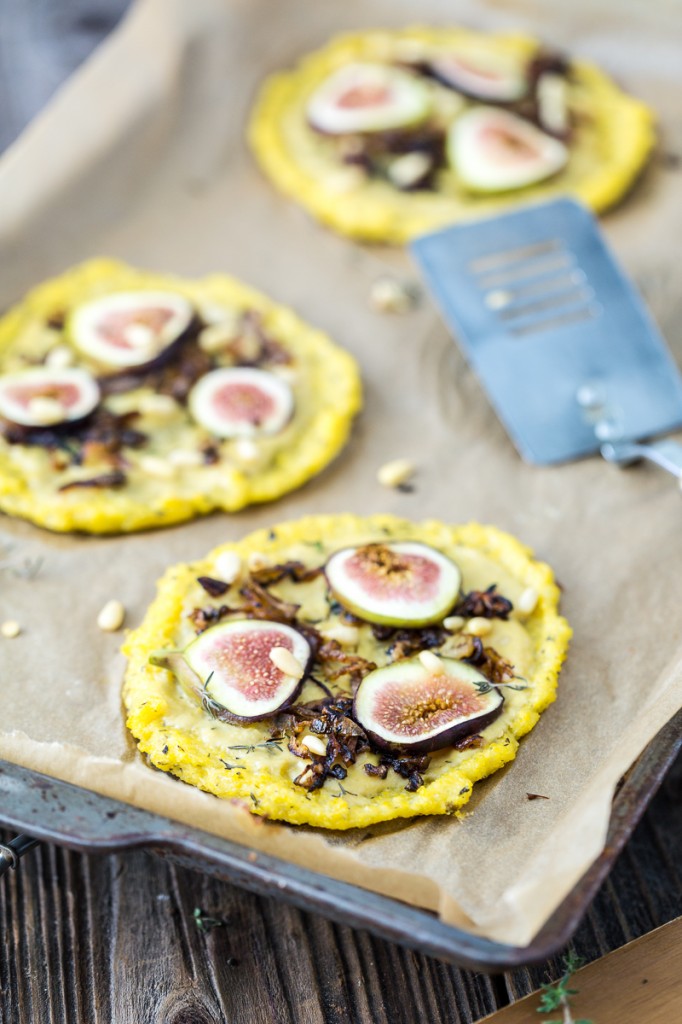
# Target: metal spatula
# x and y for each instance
(566, 349)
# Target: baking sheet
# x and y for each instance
(142, 156)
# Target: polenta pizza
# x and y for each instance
(131, 400)
(338, 671)
(386, 134)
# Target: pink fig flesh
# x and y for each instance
(405, 707)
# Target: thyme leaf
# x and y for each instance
(342, 791)
(204, 922)
(270, 745)
(558, 995)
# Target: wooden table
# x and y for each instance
(114, 940)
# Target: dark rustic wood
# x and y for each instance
(638, 982)
(113, 940)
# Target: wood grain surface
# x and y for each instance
(640, 982)
(114, 940)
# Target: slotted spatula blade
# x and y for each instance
(562, 342)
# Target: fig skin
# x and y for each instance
(112, 369)
(197, 689)
(274, 388)
(123, 378)
(445, 737)
(513, 93)
(481, 173)
(326, 116)
(42, 377)
(436, 614)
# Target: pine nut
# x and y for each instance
(315, 744)
(478, 626)
(454, 623)
(394, 473)
(10, 629)
(218, 336)
(59, 357)
(432, 663)
(228, 565)
(257, 560)
(246, 451)
(343, 634)
(111, 617)
(284, 660)
(45, 410)
(410, 168)
(389, 296)
(527, 602)
(552, 100)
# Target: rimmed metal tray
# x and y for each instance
(80, 820)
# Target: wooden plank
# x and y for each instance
(640, 982)
(112, 940)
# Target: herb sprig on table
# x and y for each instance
(558, 995)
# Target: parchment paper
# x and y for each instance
(142, 156)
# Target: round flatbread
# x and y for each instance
(274, 575)
(457, 155)
(205, 396)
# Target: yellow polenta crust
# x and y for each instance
(333, 395)
(612, 143)
(149, 690)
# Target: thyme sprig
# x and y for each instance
(485, 686)
(270, 745)
(204, 922)
(210, 706)
(342, 791)
(557, 995)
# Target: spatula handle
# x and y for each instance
(11, 852)
(666, 454)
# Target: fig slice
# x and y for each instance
(129, 328)
(406, 706)
(401, 583)
(494, 151)
(248, 668)
(365, 97)
(241, 402)
(40, 396)
(481, 75)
